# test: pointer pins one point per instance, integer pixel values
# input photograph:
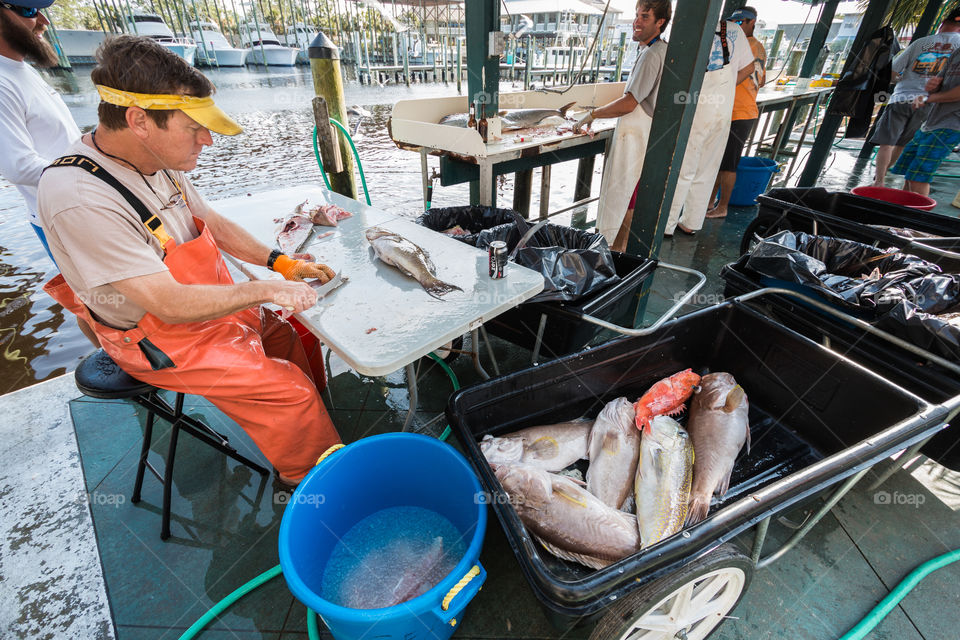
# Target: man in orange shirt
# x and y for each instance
(745, 113)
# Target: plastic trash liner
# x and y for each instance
(472, 220)
(842, 270)
(574, 263)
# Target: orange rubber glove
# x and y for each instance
(300, 269)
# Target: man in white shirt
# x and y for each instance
(35, 124)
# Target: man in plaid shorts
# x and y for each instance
(940, 134)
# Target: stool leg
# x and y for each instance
(142, 465)
(168, 481)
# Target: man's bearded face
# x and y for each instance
(25, 36)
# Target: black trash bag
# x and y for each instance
(939, 334)
(472, 220)
(850, 272)
(574, 263)
(936, 293)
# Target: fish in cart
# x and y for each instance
(664, 476)
(666, 397)
(550, 447)
(569, 521)
(614, 452)
(397, 251)
(515, 119)
(718, 425)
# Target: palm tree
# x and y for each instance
(906, 13)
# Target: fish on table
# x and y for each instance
(666, 397)
(550, 447)
(295, 228)
(409, 259)
(514, 119)
(614, 451)
(718, 425)
(664, 476)
(568, 520)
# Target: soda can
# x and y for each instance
(497, 255)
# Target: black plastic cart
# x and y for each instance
(844, 215)
(819, 422)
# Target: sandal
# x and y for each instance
(686, 231)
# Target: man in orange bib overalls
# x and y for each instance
(139, 255)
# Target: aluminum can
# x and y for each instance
(497, 256)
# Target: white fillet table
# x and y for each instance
(380, 320)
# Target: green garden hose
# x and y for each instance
(456, 387)
(887, 605)
(224, 604)
(323, 172)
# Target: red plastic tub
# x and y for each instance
(896, 196)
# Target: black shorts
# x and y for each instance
(739, 130)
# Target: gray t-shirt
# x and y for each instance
(946, 115)
(644, 81)
(921, 61)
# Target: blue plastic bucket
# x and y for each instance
(753, 178)
(376, 473)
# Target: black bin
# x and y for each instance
(823, 433)
(564, 331)
(470, 219)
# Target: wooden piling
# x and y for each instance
(328, 84)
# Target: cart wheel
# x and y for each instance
(449, 352)
(763, 229)
(687, 605)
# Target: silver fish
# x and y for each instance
(614, 452)
(719, 424)
(550, 447)
(664, 474)
(571, 522)
(514, 119)
(410, 259)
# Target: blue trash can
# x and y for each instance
(753, 178)
(372, 474)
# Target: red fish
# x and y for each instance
(666, 397)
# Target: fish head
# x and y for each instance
(720, 391)
(666, 433)
(644, 416)
(376, 232)
(501, 450)
(524, 483)
(299, 208)
(686, 381)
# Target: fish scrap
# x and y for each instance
(295, 228)
(411, 260)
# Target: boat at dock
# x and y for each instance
(213, 48)
(80, 45)
(300, 35)
(265, 46)
(153, 26)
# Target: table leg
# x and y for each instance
(414, 399)
(545, 191)
(783, 133)
(814, 108)
(475, 353)
(486, 184)
(424, 177)
(490, 354)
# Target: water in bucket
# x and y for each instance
(391, 556)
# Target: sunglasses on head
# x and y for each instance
(23, 12)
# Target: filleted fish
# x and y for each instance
(614, 451)
(410, 259)
(514, 119)
(718, 425)
(569, 521)
(551, 447)
(664, 475)
(295, 228)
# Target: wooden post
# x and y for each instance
(623, 45)
(328, 84)
(405, 43)
(522, 186)
(528, 60)
(584, 178)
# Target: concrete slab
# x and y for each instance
(51, 581)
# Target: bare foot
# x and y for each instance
(716, 213)
(682, 228)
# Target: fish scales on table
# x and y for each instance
(568, 520)
(614, 451)
(664, 476)
(718, 425)
(515, 119)
(551, 447)
(397, 251)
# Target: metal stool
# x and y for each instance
(98, 376)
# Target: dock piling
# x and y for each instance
(328, 84)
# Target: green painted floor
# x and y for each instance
(226, 519)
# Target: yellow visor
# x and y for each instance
(203, 111)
